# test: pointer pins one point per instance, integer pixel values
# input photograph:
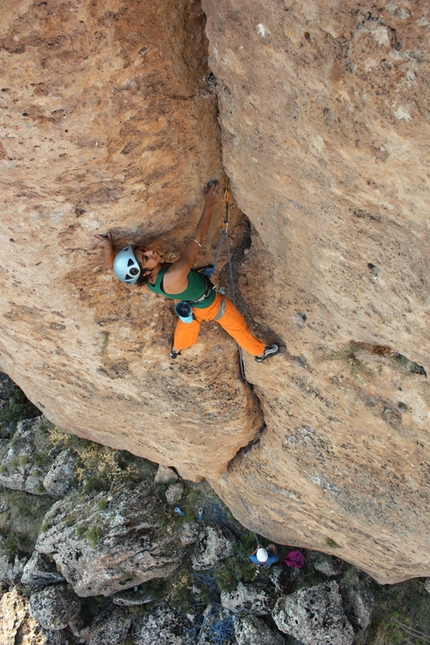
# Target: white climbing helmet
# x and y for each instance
(125, 266)
(262, 555)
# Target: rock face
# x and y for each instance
(111, 626)
(111, 124)
(11, 566)
(324, 114)
(60, 478)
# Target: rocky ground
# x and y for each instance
(98, 546)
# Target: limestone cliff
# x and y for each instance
(110, 123)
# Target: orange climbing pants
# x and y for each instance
(225, 314)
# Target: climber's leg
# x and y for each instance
(234, 324)
(186, 335)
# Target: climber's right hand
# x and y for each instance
(103, 240)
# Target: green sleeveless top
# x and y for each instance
(198, 285)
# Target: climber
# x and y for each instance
(179, 281)
(264, 557)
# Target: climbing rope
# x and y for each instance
(224, 235)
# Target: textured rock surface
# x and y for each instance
(111, 125)
(17, 626)
(132, 598)
(60, 478)
(163, 626)
(111, 626)
(250, 630)
(165, 475)
(11, 566)
(211, 547)
(328, 566)
(54, 607)
(358, 601)
(39, 570)
(113, 541)
(254, 599)
(314, 615)
(174, 493)
(25, 460)
(325, 123)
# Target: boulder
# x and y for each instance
(165, 475)
(40, 570)
(54, 607)
(109, 627)
(114, 540)
(26, 458)
(358, 599)
(314, 615)
(174, 493)
(256, 599)
(61, 478)
(328, 566)
(211, 547)
(163, 625)
(250, 630)
(11, 565)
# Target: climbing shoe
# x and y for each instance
(174, 354)
(269, 351)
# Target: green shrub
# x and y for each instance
(17, 543)
(41, 458)
(95, 484)
(93, 535)
(234, 570)
(80, 530)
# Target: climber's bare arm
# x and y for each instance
(176, 278)
(106, 242)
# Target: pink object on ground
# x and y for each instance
(294, 559)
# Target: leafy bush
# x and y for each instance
(93, 535)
